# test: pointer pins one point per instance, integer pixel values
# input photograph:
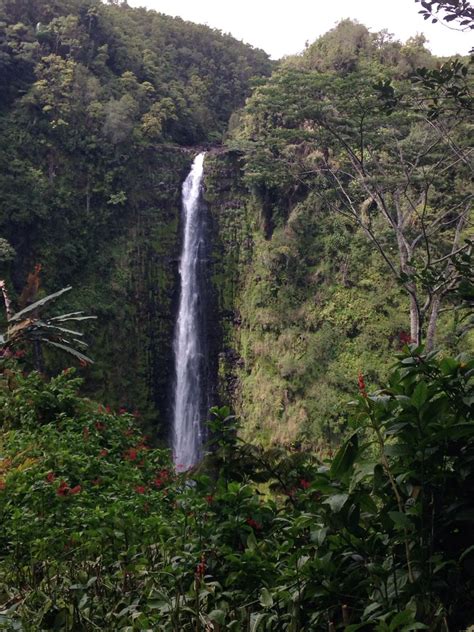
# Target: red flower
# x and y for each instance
(104, 452)
(130, 454)
(304, 483)
(83, 362)
(50, 477)
(63, 489)
(209, 499)
(108, 409)
(405, 338)
(100, 408)
(122, 411)
(85, 433)
(361, 382)
(254, 524)
(99, 426)
(201, 568)
(140, 489)
(161, 479)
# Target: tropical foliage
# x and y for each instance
(99, 533)
(354, 223)
(99, 104)
(339, 213)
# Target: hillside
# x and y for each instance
(236, 375)
(98, 105)
(104, 108)
(335, 198)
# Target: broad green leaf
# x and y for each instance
(420, 395)
(256, 620)
(336, 502)
(218, 616)
(266, 598)
(345, 456)
(31, 308)
(251, 541)
(400, 520)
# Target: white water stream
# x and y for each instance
(187, 345)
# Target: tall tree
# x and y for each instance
(398, 174)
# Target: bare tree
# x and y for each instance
(397, 172)
(427, 231)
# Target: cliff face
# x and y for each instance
(232, 244)
(122, 261)
(98, 106)
(303, 305)
(136, 281)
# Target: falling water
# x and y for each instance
(189, 340)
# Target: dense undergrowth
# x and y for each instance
(98, 533)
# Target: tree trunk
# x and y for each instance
(430, 334)
(415, 324)
(405, 255)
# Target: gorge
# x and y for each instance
(103, 111)
(236, 375)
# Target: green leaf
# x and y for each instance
(218, 616)
(266, 598)
(256, 620)
(63, 329)
(467, 552)
(448, 365)
(336, 501)
(420, 395)
(77, 354)
(361, 472)
(251, 541)
(400, 520)
(345, 456)
(72, 316)
(34, 306)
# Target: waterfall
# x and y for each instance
(190, 349)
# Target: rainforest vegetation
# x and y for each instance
(338, 483)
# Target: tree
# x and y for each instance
(399, 174)
(452, 11)
(28, 327)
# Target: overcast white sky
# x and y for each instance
(281, 27)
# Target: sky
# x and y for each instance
(282, 27)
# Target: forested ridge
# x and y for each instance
(97, 101)
(337, 484)
(356, 192)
